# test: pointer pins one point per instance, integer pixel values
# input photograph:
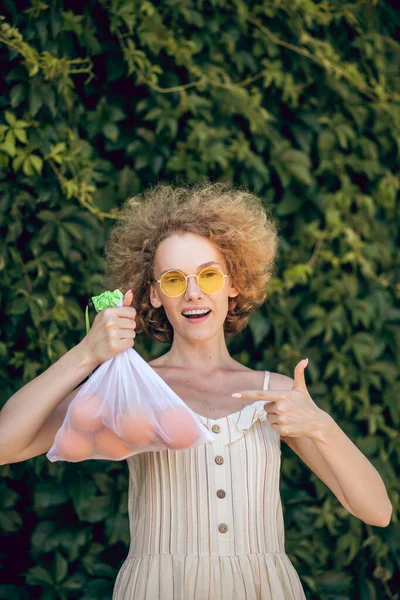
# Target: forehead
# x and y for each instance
(211, 263)
(187, 252)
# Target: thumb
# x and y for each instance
(299, 378)
(128, 298)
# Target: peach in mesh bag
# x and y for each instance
(124, 408)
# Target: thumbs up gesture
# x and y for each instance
(292, 413)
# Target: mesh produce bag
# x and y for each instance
(124, 408)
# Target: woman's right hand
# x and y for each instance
(112, 331)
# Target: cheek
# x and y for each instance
(171, 312)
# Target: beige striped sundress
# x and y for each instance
(207, 522)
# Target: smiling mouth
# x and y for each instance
(197, 318)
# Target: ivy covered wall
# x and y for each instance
(299, 101)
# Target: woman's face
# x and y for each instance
(187, 252)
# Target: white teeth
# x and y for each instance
(196, 312)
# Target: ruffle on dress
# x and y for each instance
(233, 426)
(266, 576)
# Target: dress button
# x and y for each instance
(221, 494)
(219, 460)
(216, 428)
(223, 528)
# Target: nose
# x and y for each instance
(192, 289)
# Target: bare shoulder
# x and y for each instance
(158, 363)
(277, 381)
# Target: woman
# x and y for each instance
(205, 522)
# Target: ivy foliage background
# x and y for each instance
(299, 101)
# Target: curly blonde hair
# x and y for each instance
(233, 219)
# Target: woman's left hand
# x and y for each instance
(292, 413)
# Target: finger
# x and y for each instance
(128, 312)
(261, 395)
(127, 335)
(273, 419)
(128, 298)
(126, 323)
(275, 408)
(276, 428)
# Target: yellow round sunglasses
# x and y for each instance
(174, 283)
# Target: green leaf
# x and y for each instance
(60, 567)
(4, 160)
(64, 241)
(8, 146)
(117, 529)
(388, 371)
(47, 216)
(98, 589)
(82, 493)
(37, 163)
(8, 498)
(93, 566)
(111, 131)
(19, 306)
(295, 162)
(20, 124)
(10, 118)
(20, 134)
(75, 230)
(19, 159)
(38, 576)
(73, 540)
(35, 97)
(49, 494)
(326, 141)
(259, 327)
(141, 161)
(334, 582)
(28, 167)
(300, 172)
(100, 508)
(153, 114)
(289, 204)
(10, 521)
(17, 94)
(116, 114)
(45, 537)
(315, 329)
(76, 582)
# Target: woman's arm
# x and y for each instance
(27, 410)
(361, 483)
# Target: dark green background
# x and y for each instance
(299, 101)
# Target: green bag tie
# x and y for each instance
(101, 302)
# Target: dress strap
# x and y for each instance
(266, 380)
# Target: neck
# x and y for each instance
(199, 356)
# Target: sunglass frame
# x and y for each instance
(186, 282)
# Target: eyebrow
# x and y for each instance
(207, 264)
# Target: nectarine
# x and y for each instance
(178, 427)
(73, 445)
(85, 412)
(136, 426)
(110, 445)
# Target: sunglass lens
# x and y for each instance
(173, 283)
(211, 281)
